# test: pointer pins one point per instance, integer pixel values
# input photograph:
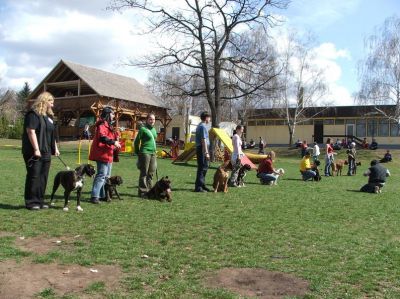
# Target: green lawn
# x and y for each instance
(345, 243)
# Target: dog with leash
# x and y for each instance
(110, 187)
(161, 190)
(72, 180)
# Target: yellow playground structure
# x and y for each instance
(190, 149)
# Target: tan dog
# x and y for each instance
(337, 167)
(221, 177)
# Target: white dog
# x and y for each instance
(280, 172)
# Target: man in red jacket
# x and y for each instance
(104, 141)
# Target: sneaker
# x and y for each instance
(206, 189)
(201, 190)
(44, 207)
(34, 208)
(376, 191)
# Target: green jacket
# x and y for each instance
(144, 143)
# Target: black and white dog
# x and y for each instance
(72, 180)
(111, 187)
(241, 174)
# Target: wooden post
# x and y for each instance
(79, 87)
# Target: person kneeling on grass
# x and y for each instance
(377, 175)
(387, 157)
(305, 168)
(266, 172)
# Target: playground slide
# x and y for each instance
(188, 154)
(221, 134)
(227, 141)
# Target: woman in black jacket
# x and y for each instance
(38, 144)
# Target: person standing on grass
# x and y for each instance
(316, 152)
(261, 146)
(377, 175)
(202, 152)
(38, 144)
(105, 140)
(305, 168)
(329, 157)
(237, 155)
(304, 148)
(351, 159)
(145, 147)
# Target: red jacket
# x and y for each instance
(100, 151)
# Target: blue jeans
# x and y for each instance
(103, 172)
(308, 174)
(202, 167)
(328, 162)
(267, 177)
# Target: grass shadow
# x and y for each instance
(4, 206)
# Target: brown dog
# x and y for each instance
(161, 190)
(221, 177)
(337, 167)
(110, 187)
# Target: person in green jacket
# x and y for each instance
(145, 148)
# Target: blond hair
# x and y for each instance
(272, 155)
(40, 104)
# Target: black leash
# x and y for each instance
(67, 167)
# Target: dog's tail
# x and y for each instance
(57, 181)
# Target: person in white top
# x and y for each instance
(315, 152)
(237, 155)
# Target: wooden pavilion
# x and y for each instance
(81, 92)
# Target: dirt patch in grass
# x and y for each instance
(42, 245)
(25, 280)
(258, 283)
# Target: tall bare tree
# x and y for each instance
(379, 71)
(200, 32)
(302, 82)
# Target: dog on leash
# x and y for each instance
(241, 174)
(161, 190)
(111, 187)
(221, 177)
(337, 167)
(72, 180)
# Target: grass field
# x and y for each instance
(345, 243)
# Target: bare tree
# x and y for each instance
(200, 32)
(379, 72)
(302, 83)
(256, 44)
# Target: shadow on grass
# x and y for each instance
(5, 206)
(352, 190)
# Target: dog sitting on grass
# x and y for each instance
(221, 177)
(72, 180)
(161, 190)
(241, 175)
(315, 168)
(111, 187)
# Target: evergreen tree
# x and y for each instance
(23, 95)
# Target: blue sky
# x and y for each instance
(35, 35)
(345, 24)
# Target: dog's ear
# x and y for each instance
(166, 177)
(80, 168)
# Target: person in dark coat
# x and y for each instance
(38, 144)
(105, 140)
(377, 175)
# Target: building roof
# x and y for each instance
(322, 112)
(108, 84)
